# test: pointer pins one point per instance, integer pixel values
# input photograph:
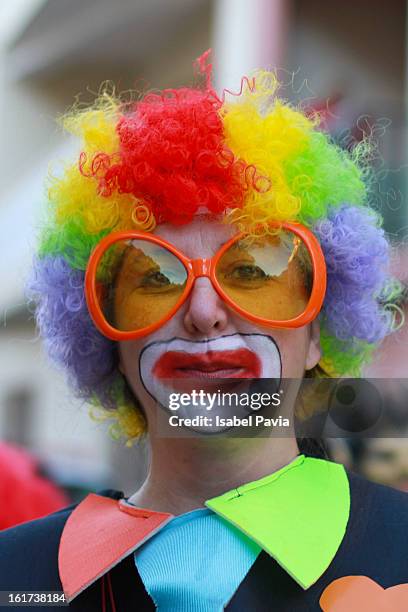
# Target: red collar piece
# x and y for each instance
(98, 534)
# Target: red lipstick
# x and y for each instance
(238, 363)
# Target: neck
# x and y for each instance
(185, 472)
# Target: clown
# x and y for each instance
(205, 238)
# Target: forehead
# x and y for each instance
(200, 238)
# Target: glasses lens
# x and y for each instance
(138, 284)
(269, 277)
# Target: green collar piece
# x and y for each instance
(298, 515)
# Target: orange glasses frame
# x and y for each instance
(204, 267)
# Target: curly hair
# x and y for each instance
(250, 160)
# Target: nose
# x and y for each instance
(206, 312)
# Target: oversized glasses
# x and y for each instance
(135, 281)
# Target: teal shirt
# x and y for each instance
(195, 563)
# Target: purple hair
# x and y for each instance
(357, 256)
(71, 339)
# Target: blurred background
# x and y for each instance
(348, 60)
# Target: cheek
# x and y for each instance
(129, 353)
(293, 345)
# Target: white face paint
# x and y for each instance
(179, 365)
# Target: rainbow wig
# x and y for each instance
(251, 159)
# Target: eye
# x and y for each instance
(155, 280)
(247, 272)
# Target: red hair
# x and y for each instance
(173, 158)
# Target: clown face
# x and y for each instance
(206, 340)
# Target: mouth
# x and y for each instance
(238, 363)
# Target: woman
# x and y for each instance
(190, 247)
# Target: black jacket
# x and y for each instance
(375, 545)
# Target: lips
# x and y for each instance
(238, 363)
